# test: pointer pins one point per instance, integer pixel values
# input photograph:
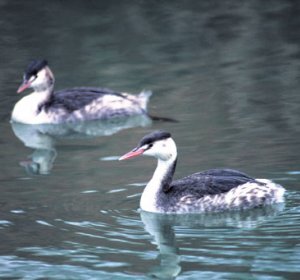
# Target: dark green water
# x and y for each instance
(228, 71)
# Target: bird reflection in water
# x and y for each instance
(162, 227)
(42, 138)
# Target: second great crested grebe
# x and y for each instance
(70, 105)
(213, 190)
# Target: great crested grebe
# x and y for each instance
(213, 190)
(71, 105)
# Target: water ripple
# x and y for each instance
(4, 223)
(14, 267)
(118, 240)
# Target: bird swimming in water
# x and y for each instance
(213, 190)
(44, 106)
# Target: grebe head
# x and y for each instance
(158, 144)
(37, 76)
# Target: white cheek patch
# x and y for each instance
(144, 147)
(148, 151)
(32, 78)
(39, 77)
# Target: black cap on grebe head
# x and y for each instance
(154, 136)
(34, 67)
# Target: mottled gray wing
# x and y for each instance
(75, 98)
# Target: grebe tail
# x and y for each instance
(143, 98)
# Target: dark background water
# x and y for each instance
(228, 71)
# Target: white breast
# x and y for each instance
(26, 109)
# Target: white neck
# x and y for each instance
(154, 187)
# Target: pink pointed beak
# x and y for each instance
(134, 153)
(23, 86)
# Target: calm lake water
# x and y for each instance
(228, 71)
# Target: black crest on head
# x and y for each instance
(154, 136)
(34, 67)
